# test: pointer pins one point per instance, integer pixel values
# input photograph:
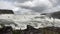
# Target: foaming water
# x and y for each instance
(37, 21)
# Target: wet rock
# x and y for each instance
(31, 30)
(6, 30)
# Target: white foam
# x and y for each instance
(37, 21)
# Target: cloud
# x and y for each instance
(20, 1)
(18, 10)
(54, 9)
(6, 5)
(32, 6)
(35, 5)
(40, 5)
(26, 4)
(11, 6)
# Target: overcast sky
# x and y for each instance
(30, 6)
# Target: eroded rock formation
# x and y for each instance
(3, 11)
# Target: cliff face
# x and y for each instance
(3, 11)
(56, 14)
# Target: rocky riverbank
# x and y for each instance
(30, 30)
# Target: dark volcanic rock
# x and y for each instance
(56, 29)
(56, 14)
(3, 11)
(44, 14)
(31, 30)
(6, 30)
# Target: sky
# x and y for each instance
(30, 6)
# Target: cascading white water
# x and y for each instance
(37, 21)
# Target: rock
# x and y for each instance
(56, 14)
(3, 11)
(31, 30)
(6, 30)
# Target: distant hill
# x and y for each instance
(43, 13)
(3, 11)
(56, 14)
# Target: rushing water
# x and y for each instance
(21, 21)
